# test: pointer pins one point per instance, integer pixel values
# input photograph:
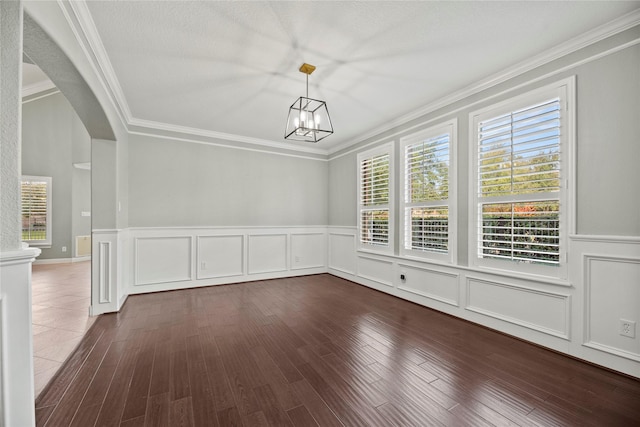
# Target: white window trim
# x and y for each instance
(450, 127)
(387, 148)
(565, 90)
(49, 180)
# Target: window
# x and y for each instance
(522, 152)
(428, 222)
(375, 199)
(36, 210)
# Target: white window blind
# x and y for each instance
(426, 203)
(374, 198)
(519, 184)
(36, 210)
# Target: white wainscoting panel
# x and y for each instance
(220, 256)
(612, 293)
(123, 267)
(167, 258)
(104, 267)
(162, 259)
(342, 252)
(308, 250)
(107, 288)
(267, 253)
(542, 311)
(430, 283)
(377, 270)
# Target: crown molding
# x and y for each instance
(81, 23)
(38, 87)
(189, 131)
(602, 32)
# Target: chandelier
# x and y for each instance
(308, 118)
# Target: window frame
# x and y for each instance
(387, 149)
(449, 127)
(46, 243)
(564, 90)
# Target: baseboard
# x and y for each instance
(62, 260)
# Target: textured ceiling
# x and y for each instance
(232, 67)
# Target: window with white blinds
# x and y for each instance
(427, 171)
(519, 152)
(375, 217)
(36, 210)
(520, 164)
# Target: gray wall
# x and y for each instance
(177, 183)
(342, 191)
(608, 125)
(104, 184)
(609, 145)
(53, 138)
(80, 202)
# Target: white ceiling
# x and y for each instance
(32, 75)
(34, 80)
(232, 67)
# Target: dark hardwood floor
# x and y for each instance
(318, 350)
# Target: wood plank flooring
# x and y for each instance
(318, 351)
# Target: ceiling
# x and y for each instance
(32, 75)
(34, 80)
(232, 67)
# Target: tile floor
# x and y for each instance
(61, 295)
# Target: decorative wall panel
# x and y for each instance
(377, 270)
(162, 259)
(267, 253)
(308, 250)
(434, 284)
(612, 293)
(342, 252)
(532, 308)
(220, 256)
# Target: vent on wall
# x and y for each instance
(83, 246)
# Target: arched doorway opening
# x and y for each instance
(76, 95)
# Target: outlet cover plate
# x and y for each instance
(627, 328)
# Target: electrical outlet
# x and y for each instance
(297, 259)
(403, 277)
(64, 249)
(203, 265)
(627, 328)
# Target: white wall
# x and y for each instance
(580, 316)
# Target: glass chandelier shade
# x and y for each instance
(308, 118)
